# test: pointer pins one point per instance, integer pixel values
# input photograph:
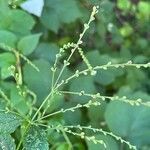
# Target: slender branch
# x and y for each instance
(19, 71)
(72, 109)
(137, 102)
(45, 100)
(86, 27)
(104, 67)
(67, 140)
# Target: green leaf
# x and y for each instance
(96, 119)
(21, 22)
(72, 117)
(62, 146)
(16, 21)
(8, 122)
(135, 81)
(142, 44)
(8, 38)
(5, 72)
(111, 144)
(130, 122)
(36, 139)
(4, 6)
(57, 12)
(7, 59)
(124, 4)
(47, 51)
(19, 102)
(38, 82)
(143, 8)
(7, 142)
(4, 17)
(105, 77)
(28, 43)
(3, 104)
(126, 30)
(107, 8)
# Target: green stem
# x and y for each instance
(18, 66)
(45, 100)
(19, 145)
(67, 140)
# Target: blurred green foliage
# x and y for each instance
(120, 33)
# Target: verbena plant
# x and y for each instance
(34, 127)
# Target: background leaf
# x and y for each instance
(57, 12)
(16, 21)
(46, 51)
(125, 121)
(82, 83)
(8, 38)
(28, 43)
(38, 82)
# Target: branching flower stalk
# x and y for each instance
(39, 118)
(54, 69)
(95, 130)
(85, 60)
(133, 102)
(61, 51)
(72, 109)
(94, 102)
(66, 62)
(67, 129)
(92, 71)
(104, 67)
(79, 42)
(82, 134)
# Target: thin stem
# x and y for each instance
(103, 132)
(67, 139)
(53, 72)
(52, 114)
(104, 67)
(19, 71)
(136, 102)
(21, 140)
(45, 100)
(72, 109)
(77, 45)
(72, 52)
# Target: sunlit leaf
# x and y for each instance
(7, 142)
(35, 139)
(8, 122)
